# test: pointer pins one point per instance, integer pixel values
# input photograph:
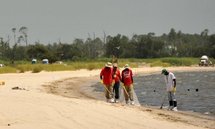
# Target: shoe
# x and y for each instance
(112, 100)
(116, 101)
(175, 109)
(126, 102)
(170, 108)
(132, 102)
(107, 100)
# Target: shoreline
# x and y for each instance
(37, 104)
(85, 91)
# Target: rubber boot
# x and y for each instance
(175, 106)
(170, 105)
(175, 103)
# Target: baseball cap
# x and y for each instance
(163, 71)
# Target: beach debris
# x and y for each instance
(17, 88)
(148, 110)
(207, 113)
(143, 93)
(2, 82)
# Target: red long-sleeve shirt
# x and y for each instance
(116, 75)
(106, 75)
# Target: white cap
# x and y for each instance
(108, 65)
(126, 66)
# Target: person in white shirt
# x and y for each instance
(170, 80)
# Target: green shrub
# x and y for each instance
(21, 69)
(91, 66)
(24, 67)
(180, 61)
(37, 69)
(159, 63)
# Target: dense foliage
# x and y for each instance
(173, 44)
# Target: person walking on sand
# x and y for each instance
(127, 80)
(170, 80)
(117, 78)
(107, 80)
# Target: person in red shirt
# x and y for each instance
(117, 78)
(127, 80)
(107, 79)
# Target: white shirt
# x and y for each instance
(169, 81)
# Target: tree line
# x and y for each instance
(173, 44)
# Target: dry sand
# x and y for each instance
(39, 102)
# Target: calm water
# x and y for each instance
(195, 91)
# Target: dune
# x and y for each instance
(35, 101)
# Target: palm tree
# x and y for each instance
(205, 32)
(20, 38)
(23, 30)
(1, 39)
(14, 34)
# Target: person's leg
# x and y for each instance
(174, 102)
(110, 88)
(116, 89)
(125, 94)
(107, 93)
(130, 92)
(170, 100)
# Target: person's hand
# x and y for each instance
(174, 89)
(101, 81)
(113, 82)
(132, 85)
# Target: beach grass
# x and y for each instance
(8, 69)
(90, 64)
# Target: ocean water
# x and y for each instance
(195, 91)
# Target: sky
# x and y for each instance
(51, 21)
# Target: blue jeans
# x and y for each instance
(116, 89)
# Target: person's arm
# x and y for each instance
(122, 78)
(114, 74)
(101, 74)
(131, 76)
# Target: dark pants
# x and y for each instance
(116, 89)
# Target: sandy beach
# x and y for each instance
(36, 101)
